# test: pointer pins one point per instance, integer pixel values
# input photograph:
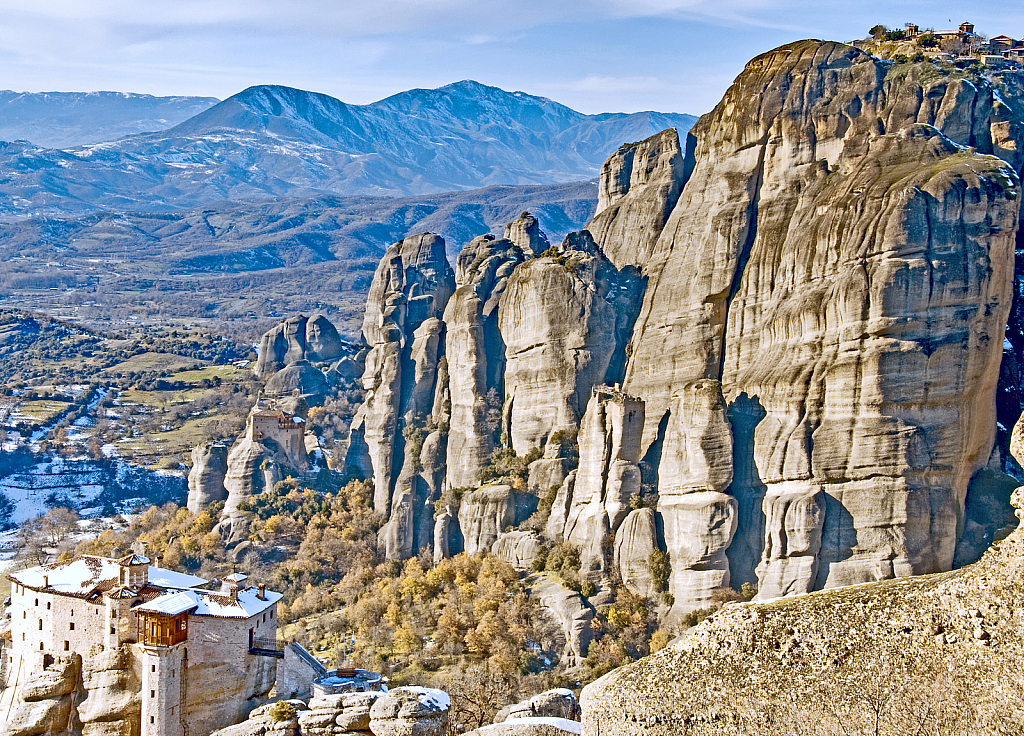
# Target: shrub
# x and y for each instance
(658, 566)
(695, 617)
(282, 711)
(588, 588)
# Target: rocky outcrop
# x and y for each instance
(206, 478)
(44, 705)
(824, 266)
(564, 319)
(407, 298)
(698, 517)
(299, 378)
(518, 548)
(529, 727)
(570, 612)
(297, 338)
(608, 478)
(635, 540)
(526, 234)
(943, 652)
(410, 711)
(476, 351)
(640, 184)
(265, 721)
(112, 702)
(484, 514)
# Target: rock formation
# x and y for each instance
(112, 705)
(518, 548)
(476, 352)
(572, 614)
(941, 651)
(557, 703)
(651, 173)
(410, 290)
(206, 478)
(564, 319)
(45, 705)
(411, 711)
(297, 338)
(298, 378)
(829, 230)
(806, 303)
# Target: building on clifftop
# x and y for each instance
(200, 653)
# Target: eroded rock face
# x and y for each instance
(322, 339)
(44, 705)
(484, 514)
(825, 268)
(776, 663)
(112, 693)
(476, 353)
(572, 614)
(635, 540)
(410, 290)
(608, 477)
(564, 320)
(651, 173)
(206, 478)
(518, 548)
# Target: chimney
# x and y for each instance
(46, 581)
(262, 594)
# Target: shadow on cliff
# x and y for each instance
(744, 414)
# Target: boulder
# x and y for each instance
(530, 727)
(411, 711)
(55, 681)
(518, 548)
(484, 514)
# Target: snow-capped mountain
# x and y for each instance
(271, 141)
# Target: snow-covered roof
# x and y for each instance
(208, 603)
(133, 560)
(80, 577)
(169, 604)
(83, 576)
(171, 579)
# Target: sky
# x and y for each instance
(592, 55)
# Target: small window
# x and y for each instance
(67, 646)
(153, 668)
(47, 605)
(152, 719)
(113, 630)
(40, 646)
(40, 624)
(152, 693)
(23, 637)
(72, 611)
(24, 614)
(71, 626)
(37, 601)
(172, 673)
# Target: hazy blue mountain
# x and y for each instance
(65, 119)
(272, 141)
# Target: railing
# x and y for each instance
(267, 647)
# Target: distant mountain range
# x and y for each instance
(272, 141)
(66, 119)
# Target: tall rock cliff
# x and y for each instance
(802, 309)
(297, 338)
(839, 261)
